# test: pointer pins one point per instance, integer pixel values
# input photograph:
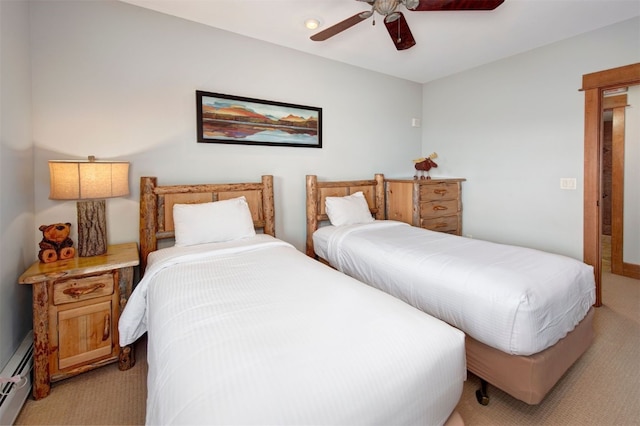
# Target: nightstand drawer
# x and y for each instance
(439, 208)
(447, 224)
(439, 191)
(83, 288)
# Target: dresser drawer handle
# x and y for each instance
(81, 291)
(107, 327)
(440, 191)
(440, 225)
(436, 208)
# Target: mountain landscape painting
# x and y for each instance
(238, 120)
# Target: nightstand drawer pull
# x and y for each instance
(107, 327)
(440, 191)
(440, 208)
(81, 291)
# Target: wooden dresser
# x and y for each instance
(76, 306)
(434, 204)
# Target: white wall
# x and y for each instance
(118, 82)
(514, 128)
(16, 176)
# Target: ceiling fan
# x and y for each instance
(395, 21)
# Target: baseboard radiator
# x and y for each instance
(15, 381)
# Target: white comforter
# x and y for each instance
(515, 299)
(255, 332)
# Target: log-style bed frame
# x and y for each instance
(527, 378)
(156, 207)
(156, 215)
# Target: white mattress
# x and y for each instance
(518, 300)
(255, 332)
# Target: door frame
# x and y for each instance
(594, 85)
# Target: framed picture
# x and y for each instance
(237, 120)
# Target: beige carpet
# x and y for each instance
(602, 388)
(105, 396)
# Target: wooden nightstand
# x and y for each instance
(434, 204)
(76, 306)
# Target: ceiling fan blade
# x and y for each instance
(340, 26)
(432, 5)
(400, 33)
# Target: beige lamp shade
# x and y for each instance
(88, 180)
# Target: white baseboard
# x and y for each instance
(12, 395)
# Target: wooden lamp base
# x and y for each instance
(92, 228)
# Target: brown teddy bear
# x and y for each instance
(56, 244)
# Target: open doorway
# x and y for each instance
(621, 182)
(594, 85)
(607, 187)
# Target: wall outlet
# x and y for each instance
(567, 183)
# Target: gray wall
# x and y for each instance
(16, 176)
(118, 81)
(514, 128)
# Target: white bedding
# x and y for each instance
(518, 300)
(255, 332)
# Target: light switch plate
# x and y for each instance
(567, 183)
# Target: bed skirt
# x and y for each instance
(530, 378)
(455, 419)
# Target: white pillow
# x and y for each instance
(213, 222)
(348, 210)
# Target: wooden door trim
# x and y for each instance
(612, 78)
(594, 84)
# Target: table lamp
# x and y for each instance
(89, 182)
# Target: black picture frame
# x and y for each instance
(239, 120)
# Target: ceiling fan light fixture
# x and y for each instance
(385, 7)
(411, 4)
(312, 23)
(392, 17)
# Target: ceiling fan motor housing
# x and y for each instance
(385, 7)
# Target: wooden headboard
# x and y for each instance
(373, 191)
(156, 206)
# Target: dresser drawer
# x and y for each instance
(447, 224)
(82, 288)
(438, 191)
(439, 208)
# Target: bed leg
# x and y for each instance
(481, 394)
(127, 358)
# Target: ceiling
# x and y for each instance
(447, 42)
